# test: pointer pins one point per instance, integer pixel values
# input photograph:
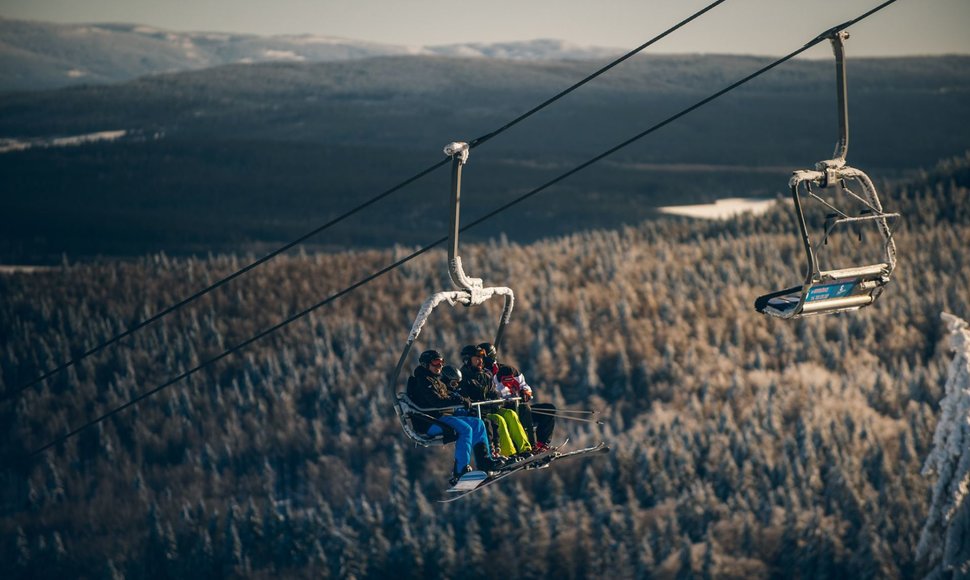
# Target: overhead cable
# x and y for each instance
(473, 143)
(820, 38)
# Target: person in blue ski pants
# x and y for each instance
(427, 390)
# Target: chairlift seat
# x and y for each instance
(406, 409)
(835, 291)
(829, 292)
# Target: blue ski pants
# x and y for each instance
(471, 432)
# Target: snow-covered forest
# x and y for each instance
(743, 447)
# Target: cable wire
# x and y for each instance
(473, 143)
(474, 223)
(478, 141)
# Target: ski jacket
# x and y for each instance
(509, 382)
(477, 384)
(427, 390)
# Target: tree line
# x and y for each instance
(742, 446)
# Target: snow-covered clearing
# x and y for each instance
(283, 55)
(720, 209)
(15, 269)
(7, 145)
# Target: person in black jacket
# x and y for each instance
(427, 391)
(477, 384)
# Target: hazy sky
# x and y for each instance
(770, 27)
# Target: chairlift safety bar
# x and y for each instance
(478, 405)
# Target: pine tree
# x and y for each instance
(943, 541)
(21, 552)
(111, 571)
(686, 569)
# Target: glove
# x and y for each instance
(526, 396)
(467, 403)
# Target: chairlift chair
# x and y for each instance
(843, 289)
(470, 292)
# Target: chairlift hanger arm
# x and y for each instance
(838, 39)
(458, 151)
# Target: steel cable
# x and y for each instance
(474, 223)
(473, 143)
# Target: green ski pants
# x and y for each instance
(512, 438)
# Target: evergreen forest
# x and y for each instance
(742, 446)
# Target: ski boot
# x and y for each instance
(485, 461)
(456, 475)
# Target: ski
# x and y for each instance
(502, 473)
(538, 461)
(468, 482)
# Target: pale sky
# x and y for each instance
(766, 27)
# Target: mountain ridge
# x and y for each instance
(41, 55)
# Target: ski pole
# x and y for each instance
(569, 417)
(574, 411)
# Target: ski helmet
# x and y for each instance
(430, 355)
(451, 375)
(470, 350)
(489, 349)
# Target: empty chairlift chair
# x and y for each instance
(826, 291)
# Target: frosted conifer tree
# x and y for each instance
(945, 540)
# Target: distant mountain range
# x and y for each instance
(38, 55)
(243, 156)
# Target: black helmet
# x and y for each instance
(489, 349)
(470, 350)
(428, 356)
(450, 374)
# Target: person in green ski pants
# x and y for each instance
(477, 384)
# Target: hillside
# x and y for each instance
(743, 447)
(241, 157)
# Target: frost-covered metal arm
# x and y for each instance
(454, 298)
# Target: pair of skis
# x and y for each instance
(476, 480)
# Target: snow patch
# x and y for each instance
(416, 50)
(87, 138)
(466, 52)
(17, 269)
(720, 209)
(283, 55)
(8, 145)
(75, 73)
(145, 30)
(311, 39)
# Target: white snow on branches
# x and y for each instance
(945, 539)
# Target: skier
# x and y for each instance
(510, 382)
(427, 390)
(490, 361)
(517, 386)
(477, 384)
